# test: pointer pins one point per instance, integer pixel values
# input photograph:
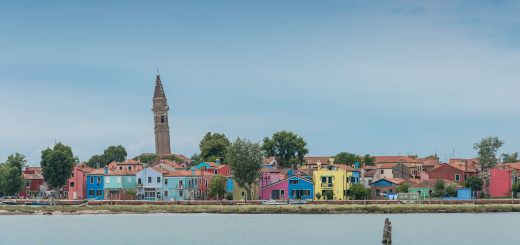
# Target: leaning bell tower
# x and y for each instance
(160, 111)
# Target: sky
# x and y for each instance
(376, 77)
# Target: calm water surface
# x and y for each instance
(421, 229)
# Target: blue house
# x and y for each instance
(300, 188)
(384, 187)
(94, 185)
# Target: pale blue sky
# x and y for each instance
(378, 77)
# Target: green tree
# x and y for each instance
(358, 192)
(97, 161)
(474, 183)
(369, 160)
(508, 158)
(346, 158)
(451, 190)
(217, 186)
(57, 164)
(213, 146)
(439, 188)
(487, 152)
(403, 188)
(516, 188)
(146, 158)
(287, 147)
(16, 160)
(245, 161)
(196, 158)
(110, 154)
(11, 181)
(115, 154)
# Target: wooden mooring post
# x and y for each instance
(387, 232)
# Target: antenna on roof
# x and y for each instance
(157, 71)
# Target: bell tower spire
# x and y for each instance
(160, 110)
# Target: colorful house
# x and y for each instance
(187, 185)
(383, 187)
(330, 182)
(275, 191)
(77, 182)
(452, 172)
(95, 183)
(120, 181)
(300, 188)
(150, 183)
(239, 193)
(34, 183)
(502, 178)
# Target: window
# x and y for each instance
(457, 177)
(158, 179)
(158, 195)
(323, 179)
(180, 183)
(91, 192)
(293, 182)
(150, 180)
(165, 181)
(129, 167)
(180, 193)
(120, 167)
(139, 181)
(27, 183)
(165, 193)
(215, 171)
(382, 171)
(99, 193)
(98, 179)
(92, 180)
(71, 184)
(162, 119)
(72, 174)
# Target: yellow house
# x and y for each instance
(330, 182)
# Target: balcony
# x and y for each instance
(327, 185)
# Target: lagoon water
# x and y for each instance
(415, 229)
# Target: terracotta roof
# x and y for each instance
(83, 168)
(396, 159)
(98, 171)
(314, 160)
(396, 181)
(269, 160)
(186, 173)
(386, 165)
(160, 170)
(32, 176)
(369, 173)
(345, 167)
(515, 166)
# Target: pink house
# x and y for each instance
(275, 191)
(77, 182)
(269, 176)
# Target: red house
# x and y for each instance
(77, 182)
(501, 179)
(34, 183)
(452, 172)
